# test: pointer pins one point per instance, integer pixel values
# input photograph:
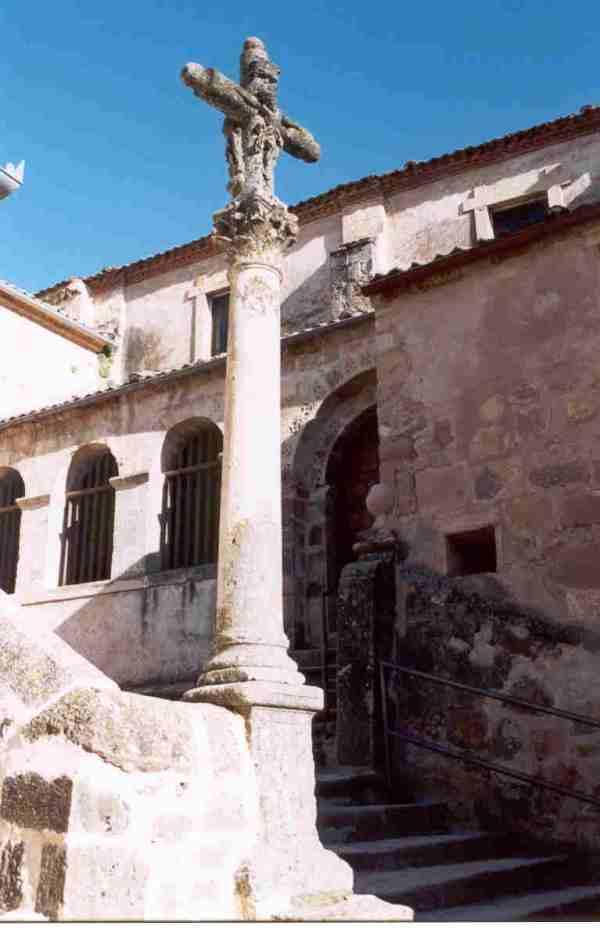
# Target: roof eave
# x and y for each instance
(400, 279)
(32, 309)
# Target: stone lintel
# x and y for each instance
(350, 246)
(33, 503)
(243, 696)
(125, 481)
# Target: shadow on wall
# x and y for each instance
(468, 630)
(150, 632)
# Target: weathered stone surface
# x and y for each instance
(33, 803)
(557, 475)
(580, 510)
(487, 484)
(11, 882)
(51, 883)
(520, 653)
(442, 488)
(578, 566)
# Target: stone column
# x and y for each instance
(250, 643)
(250, 670)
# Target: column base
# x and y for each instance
(245, 662)
(243, 695)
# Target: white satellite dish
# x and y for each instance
(11, 178)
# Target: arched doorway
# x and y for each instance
(352, 469)
(335, 462)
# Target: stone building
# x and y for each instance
(440, 343)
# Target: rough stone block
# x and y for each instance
(578, 566)
(441, 488)
(32, 802)
(560, 474)
(51, 883)
(11, 883)
(580, 510)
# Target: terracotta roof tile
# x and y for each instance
(400, 278)
(412, 174)
(138, 379)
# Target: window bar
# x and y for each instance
(73, 540)
(177, 521)
(109, 536)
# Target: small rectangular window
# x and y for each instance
(219, 307)
(472, 552)
(509, 219)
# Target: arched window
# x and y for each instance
(87, 538)
(11, 488)
(189, 521)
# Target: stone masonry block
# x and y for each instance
(441, 488)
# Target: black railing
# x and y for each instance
(466, 757)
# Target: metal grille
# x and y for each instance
(11, 488)
(87, 537)
(190, 509)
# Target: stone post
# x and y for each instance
(129, 537)
(32, 540)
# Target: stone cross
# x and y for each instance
(250, 670)
(250, 643)
(255, 128)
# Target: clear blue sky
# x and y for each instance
(123, 161)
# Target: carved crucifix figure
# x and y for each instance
(255, 128)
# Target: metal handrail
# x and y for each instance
(469, 758)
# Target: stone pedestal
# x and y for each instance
(287, 860)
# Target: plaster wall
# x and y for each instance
(488, 410)
(431, 219)
(40, 367)
(164, 320)
(145, 626)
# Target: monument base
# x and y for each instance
(287, 862)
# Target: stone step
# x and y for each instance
(445, 886)
(388, 854)
(581, 901)
(342, 824)
(360, 784)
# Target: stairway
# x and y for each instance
(405, 853)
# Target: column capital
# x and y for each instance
(256, 228)
(33, 503)
(124, 481)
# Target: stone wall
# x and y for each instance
(113, 805)
(154, 630)
(468, 630)
(488, 407)
(144, 626)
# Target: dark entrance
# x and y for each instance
(352, 470)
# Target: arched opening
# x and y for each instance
(189, 519)
(352, 469)
(89, 516)
(11, 488)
